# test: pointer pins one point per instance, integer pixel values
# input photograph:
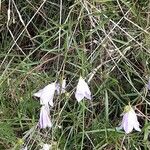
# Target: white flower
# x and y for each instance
(82, 90)
(46, 147)
(61, 88)
(46, 94)
(129, 120)
(44, 120)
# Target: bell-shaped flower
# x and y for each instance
(46, 147)
(82, 90)
(61, 87)
(46, 94)
(45, 120)
(129, 121)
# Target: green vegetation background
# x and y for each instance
(105, 41)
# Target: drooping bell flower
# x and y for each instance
(46, 94)
(82, 90)
(129, 121)
(45, 120)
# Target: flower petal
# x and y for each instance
(44, 120)
(38, 94)
(82, 90)
(136, 126)
(88, 94)
(135, 121)
(127, 125)
(48, 94)
(79, 96)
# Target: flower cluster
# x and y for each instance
(46, 96)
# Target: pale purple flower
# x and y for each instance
(45, 120)
(46, 147)
(82, 90)
(129, 121)
(61, 87)
(46, 94)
